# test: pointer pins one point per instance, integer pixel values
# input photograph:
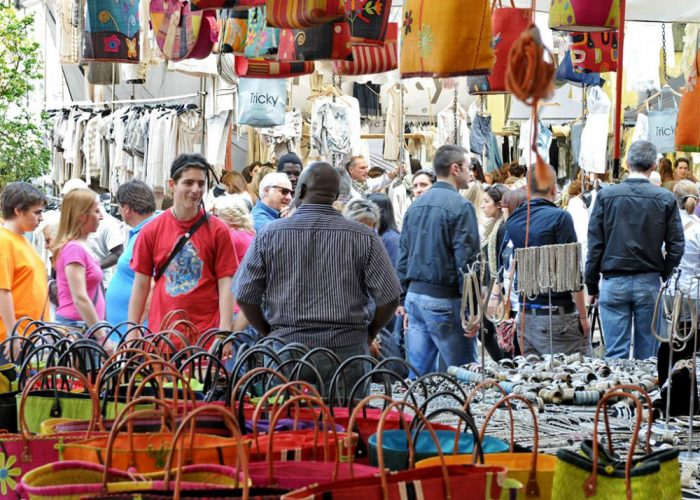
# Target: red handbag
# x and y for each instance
(208, 37)
(369, 21)
(507, 25)
(297, 14)
(178, 29)
(328, 42)
(262, 68)
(594, 52)
(367, 59)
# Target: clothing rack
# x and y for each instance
(133, 101)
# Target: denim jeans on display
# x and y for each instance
(435, 327)
(69, 322)
(626, 306)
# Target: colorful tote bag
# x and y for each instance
(662, 129)
(369, 20)
(368, 59)
(234, 31)
(262, 68)
(594, 52)
(584, 15)
(328, 42)
(439, 40)
(507, 25)
(261, 40)
(297, 14)
(112, 31)
(176, 27)
(688, 129)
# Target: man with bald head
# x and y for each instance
(562, 313)
(317, 272)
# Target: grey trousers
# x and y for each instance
(567, 337)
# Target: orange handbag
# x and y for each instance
(688, 126)
(439, 40)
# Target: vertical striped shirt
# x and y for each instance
(317, 271)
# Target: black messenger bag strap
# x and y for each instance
(181, 242)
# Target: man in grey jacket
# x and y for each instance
(635, 238)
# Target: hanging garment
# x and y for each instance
(495, 160)
(594, 138)
(480, 136)
(446, 38)
(641, 128)
(544, 141)
(576, 131)
(367, 95)
(189, 132)
(336, 128)
(392, 130)
(69, 33)
(642, 56)
(446, 127)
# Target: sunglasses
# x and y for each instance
(283, 190)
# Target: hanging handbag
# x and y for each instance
(208, 37)
(234, 32)
(440, 41)
(579, 476)
(594, 52)
(507, 25)
(506, 329)
(261, 103)
(177, 28)
(367, 59)
(662, 127)
(261, 40)
(112, 32)
(297, 14)
(262, 68)
(687, 137)
(369, 20)
(327, 42)
(584, 15)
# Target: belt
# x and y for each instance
(544, 311)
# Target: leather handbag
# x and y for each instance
(594, 52)
(327, 42)
(368, 59)
(439, 40)
(507, 25)
(584, 15)
(177, 28)
(297, 14)
(369, 20)
(688, 127)
(262, 68)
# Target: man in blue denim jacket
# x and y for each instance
(440, 239)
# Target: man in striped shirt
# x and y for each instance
(317, 272)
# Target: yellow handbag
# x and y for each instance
(446, 38)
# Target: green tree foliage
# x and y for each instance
(23, 153)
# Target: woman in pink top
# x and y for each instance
(81, 300)
(240, 222)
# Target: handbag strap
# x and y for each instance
(506, 303)
(181, 242)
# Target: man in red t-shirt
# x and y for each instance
(198, 276)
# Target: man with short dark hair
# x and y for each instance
(23, 284)
(635, 237)
(321, 299)
(290, 165)
(137, 205)
(566, 312)
(188, 254)
(439, 241)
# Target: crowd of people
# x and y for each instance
(314, 255)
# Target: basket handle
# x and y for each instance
(532, 488)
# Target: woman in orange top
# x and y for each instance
(23, 284)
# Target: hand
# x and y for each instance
(401, 311)
(592, 300)
(472, 332)
(493, 306)
(585, 327)
(285, 211)
(374, 346)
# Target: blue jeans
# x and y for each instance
(625, 300)
(435, 326)
(69, 322)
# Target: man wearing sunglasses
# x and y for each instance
(275, 194)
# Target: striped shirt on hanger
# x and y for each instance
(317, 272)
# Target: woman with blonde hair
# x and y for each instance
(81, 300)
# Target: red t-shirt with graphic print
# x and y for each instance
(191, 280)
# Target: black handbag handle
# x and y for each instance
(181, 242)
